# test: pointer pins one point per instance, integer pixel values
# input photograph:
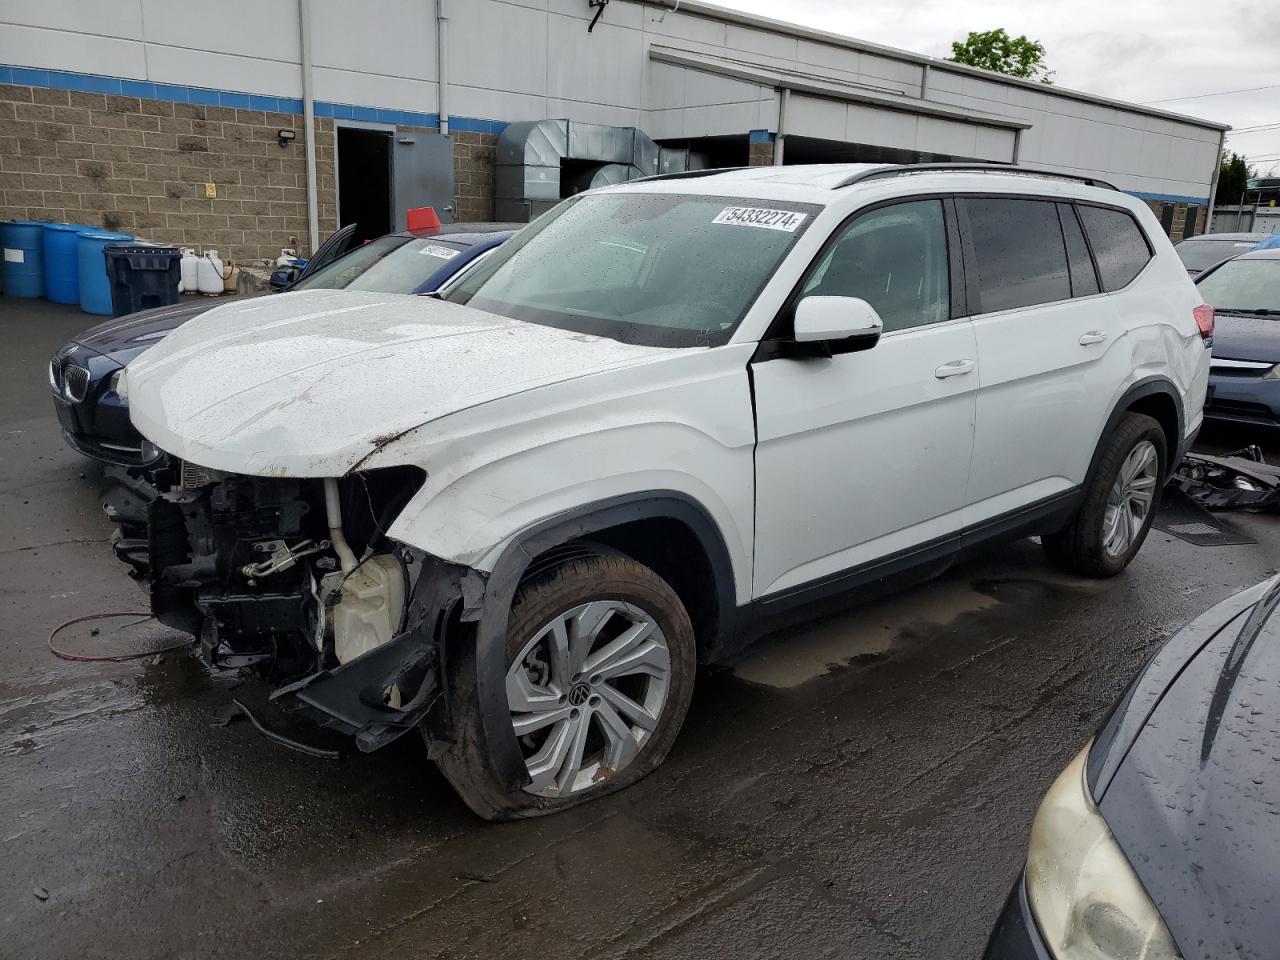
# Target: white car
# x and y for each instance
(662, 418)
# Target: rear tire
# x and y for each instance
(1119, 503)
(600, 662)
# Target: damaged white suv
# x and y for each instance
(662, 419)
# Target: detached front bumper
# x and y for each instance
(353, 696)
(1015, 936)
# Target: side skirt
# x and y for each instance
(893, 573)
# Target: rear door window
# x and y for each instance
(1119, 246)
(1019, 253)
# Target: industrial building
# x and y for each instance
(262, 124)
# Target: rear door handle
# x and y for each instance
(1092, 336)
(954, 368)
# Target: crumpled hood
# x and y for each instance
(308, 384)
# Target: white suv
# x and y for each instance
(664, 417)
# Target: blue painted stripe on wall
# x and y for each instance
(1169, 198)
(93, 83)
(759, 136)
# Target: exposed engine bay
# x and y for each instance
(286, 577)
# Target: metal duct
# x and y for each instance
(527, 166)
(680, 159)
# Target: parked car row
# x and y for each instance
(514, 517)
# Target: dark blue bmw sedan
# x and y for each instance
(84, 374)
(1161, 840)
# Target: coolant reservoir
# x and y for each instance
(372, 604)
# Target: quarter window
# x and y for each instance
(1119, 246)
(895, 258)
(1020, 255)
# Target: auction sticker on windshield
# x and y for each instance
(763, 217)
(435, 250)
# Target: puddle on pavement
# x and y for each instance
(863, 635)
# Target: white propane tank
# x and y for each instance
(209, 273)
(190, 264)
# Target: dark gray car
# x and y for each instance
(1199, 254)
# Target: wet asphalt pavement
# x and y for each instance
(862, 787)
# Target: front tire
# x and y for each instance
(600, 662)
(1119, 503)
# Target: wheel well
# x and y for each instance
(673, 551)
(1161, 408)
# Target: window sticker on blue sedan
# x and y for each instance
(435, 250)
(785, 220)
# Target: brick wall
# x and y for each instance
(1179, 228)
(140, 166)
(473, 158)
(760, 154)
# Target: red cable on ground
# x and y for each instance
(87, 658)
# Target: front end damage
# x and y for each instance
(297, 581)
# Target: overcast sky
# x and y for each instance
(1135, 50)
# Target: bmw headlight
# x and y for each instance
(1087, 901)
(118, 384)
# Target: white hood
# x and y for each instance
(308, 384)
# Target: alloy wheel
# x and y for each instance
(1130, 499)
(585, 693)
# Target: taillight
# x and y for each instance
(1204, 320)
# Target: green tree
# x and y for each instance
(996, 50)
(1233, 178)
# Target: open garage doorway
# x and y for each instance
(811, 150)
(364, 181)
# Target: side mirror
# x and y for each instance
(840, 324)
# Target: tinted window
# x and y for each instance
(1119, 246)
(1021, 257)
(1084, 279)
(895, 258)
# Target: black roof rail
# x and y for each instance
(687, 174)
(902, 169)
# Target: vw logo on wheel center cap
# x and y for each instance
(579, 695)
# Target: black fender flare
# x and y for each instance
(503, 755)
(1146, 387)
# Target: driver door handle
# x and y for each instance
(954, 368)
(1092, 336)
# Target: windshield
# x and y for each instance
(385, 265)
(1243, 285)
(654, 269)
(1203, 254)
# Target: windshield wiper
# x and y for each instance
(1251, 313)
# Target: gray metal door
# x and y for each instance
(422, 175)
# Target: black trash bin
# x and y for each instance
(142, 275)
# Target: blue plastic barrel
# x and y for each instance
(23, 250)
(61, 264)
(95, 285)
